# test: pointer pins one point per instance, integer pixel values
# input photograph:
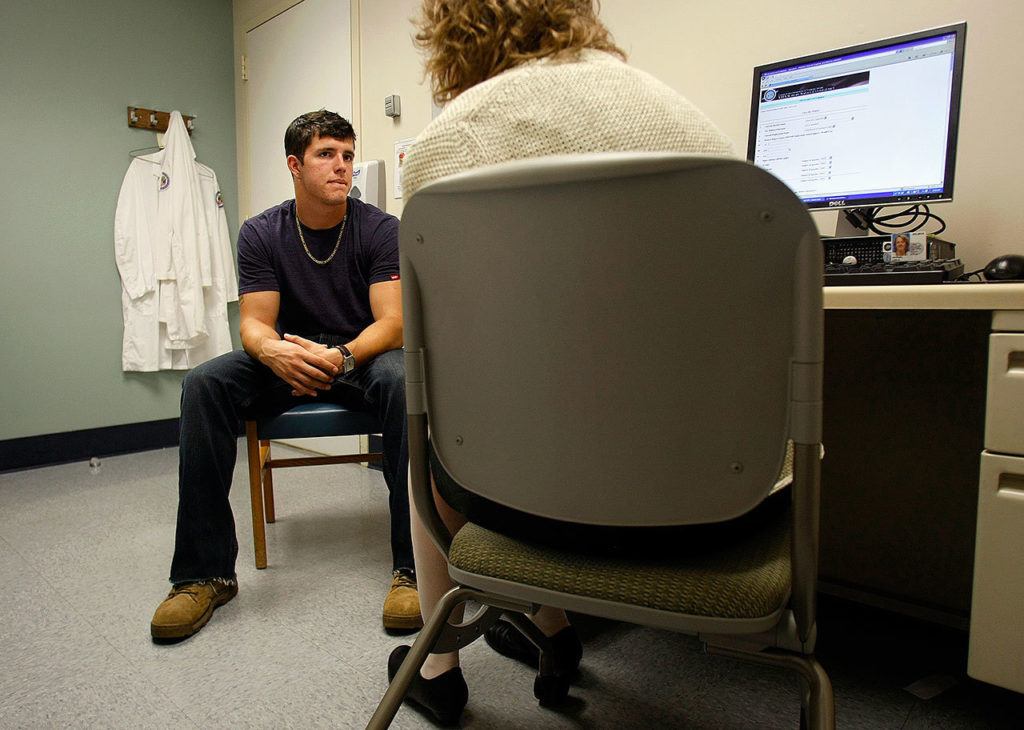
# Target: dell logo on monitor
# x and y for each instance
(836, 203)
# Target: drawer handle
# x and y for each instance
(1015, 362)
(1011, 485)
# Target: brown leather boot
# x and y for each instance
(402, 606)
(189, 606)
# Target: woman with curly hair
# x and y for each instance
(522, 79)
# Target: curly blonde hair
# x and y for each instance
(469, 41)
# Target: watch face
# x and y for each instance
(348, 360)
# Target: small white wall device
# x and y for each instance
(368, 184)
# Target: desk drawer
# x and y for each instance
(997, 607)
(1004, 412)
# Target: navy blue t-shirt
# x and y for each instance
(331, 300)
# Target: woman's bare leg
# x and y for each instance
(550, 620)
(432, 580)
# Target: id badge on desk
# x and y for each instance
(906, 247)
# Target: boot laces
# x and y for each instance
(192, 590)
(403, 580)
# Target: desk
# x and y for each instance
(915, 410)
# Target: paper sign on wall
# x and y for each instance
(401, 150)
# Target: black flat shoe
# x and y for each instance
(507, 640)
(443, 697)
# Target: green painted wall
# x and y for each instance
(68, 70)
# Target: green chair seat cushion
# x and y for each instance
(743, 579)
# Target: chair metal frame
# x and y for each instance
(308, 420)
(560, 186)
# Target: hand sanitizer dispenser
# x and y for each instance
(368, 183)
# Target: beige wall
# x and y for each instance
(390, 65)
(707, 52)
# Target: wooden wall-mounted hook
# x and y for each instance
(154, 120)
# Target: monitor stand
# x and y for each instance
(846, 229)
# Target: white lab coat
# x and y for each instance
(223, 282)
(182, 223)
(174, 256)
(135, 237)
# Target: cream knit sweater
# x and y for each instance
(595, 104)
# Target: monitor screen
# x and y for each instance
(869, 125)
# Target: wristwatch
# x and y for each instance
(348, 360)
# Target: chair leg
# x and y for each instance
(805, 704)
(429, 634)
(267, 475)
(259, 533)
(818, 710)
(821, 710)
(550, 686)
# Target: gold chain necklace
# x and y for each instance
(337, 244)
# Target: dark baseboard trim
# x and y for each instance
(62, 448)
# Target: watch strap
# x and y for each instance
(348, 360)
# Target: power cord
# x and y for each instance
(914, 216)
(967, 275)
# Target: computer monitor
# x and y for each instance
(869, 125)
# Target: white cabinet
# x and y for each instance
(997, 604)
(1004, 413)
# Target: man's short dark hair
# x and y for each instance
(304, 129)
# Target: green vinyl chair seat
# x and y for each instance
(748, 579)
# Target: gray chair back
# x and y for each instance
(617, 339)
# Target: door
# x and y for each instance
(296, 62)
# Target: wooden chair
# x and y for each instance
(308, 420)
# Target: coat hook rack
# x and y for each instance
(154, 120)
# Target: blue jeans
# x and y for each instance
(216, 396)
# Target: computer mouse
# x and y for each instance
(1001, 268)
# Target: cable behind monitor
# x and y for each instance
(910, 219)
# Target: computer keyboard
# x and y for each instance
(935, 271)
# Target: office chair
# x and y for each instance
(626, 340)
(307, 420)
